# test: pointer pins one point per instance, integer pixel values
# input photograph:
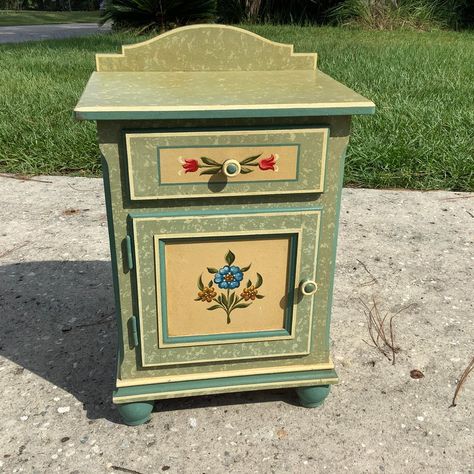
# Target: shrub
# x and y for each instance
(301, 12)
(393, 14)
(157, 14)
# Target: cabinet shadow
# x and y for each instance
(58, 322)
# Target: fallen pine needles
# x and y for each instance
(381, 329)
(462, 379)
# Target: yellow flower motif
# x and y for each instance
(207, 294)
(249, 293)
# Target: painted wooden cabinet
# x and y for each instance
(223, 158)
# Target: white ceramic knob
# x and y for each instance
(308, 287)
(231, 168)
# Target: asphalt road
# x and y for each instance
(18, 34)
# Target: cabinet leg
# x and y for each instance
(135, 413)
(312, 397)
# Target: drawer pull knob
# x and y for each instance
(308, 287)
(231, 168)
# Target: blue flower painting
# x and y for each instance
(228, 278)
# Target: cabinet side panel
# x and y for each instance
(116, 220)
(340, 129)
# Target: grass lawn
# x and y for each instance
(422, 135)
(28, 17)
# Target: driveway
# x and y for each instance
(408, 250)
(18, 34)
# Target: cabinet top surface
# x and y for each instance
(154, 95)
(212, 71)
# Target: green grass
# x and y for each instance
(29, 17)
(422, 135)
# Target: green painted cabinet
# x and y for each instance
(223, 158)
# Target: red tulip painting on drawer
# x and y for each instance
(211, 166)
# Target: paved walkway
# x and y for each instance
(19, 34)
(406, 249)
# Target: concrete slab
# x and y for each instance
(58, 348)
(19, 34)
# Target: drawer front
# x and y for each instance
(165, 165)
(215, 287)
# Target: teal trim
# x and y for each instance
(298, 145)
(128, 243)
(205, 127)
(219, 114)
(211, 212)
(215, 338)
(113, 255)
(163, 388)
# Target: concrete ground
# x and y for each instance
(18, 34)
(57, 350)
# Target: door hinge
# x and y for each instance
(128, 245)
(133, 327)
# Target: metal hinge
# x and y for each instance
(133, 327)
(128, 245)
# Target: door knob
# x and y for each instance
(231, 168)
(308, 287)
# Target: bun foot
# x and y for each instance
(312, 397)
(135, 413)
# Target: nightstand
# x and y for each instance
(223, 156)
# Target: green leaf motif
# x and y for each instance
(212, 270)
(213, 307)
(260, 296)
(241, 305)
(230, 258)
(249, 284)
(246, 269)
(259, 281)
(210, 171)
(232, 299)
(250, 159)
(210, 283)
(210, 161)
(200, 283)
(245, 171)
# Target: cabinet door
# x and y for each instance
(224, 285)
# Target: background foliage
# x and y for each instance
(368, 13)
(49, 5)
(157, 14)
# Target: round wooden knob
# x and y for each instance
(308, 287)
(231, 168)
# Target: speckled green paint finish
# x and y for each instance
(112, 96)
(110, 139)
(200, 47)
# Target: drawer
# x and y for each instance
(214, 286)
(174, 165)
